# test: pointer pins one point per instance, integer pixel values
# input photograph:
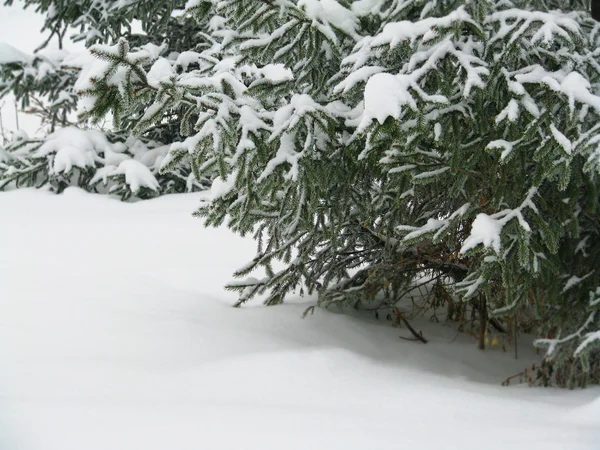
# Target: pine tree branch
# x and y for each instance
(401, 317)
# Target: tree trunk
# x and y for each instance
(482, 321)
(596, 10)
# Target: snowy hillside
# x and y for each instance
(115, 333)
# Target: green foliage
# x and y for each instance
(46, 85)
(374, 144)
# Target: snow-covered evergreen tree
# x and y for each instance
(100, 156)
(372, 143)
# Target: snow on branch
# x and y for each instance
(486, 229)
(539, 26)
(435, 227)
(433, 39)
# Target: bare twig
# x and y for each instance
(17, 115)
(310, 310)
(418, 336)
(515, 337)
(4, 140)
(482, 321)
(520, 375)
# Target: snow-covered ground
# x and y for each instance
(115, 334)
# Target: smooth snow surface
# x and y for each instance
(115, 334)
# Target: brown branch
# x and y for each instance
(520, 375)
(482, 321)
(418, 336)
(595, 10)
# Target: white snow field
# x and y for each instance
(116, 334)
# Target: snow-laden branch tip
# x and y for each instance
(434, 225)
(9, 55)
(487, 229)
(329, 13)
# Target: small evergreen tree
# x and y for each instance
(367, 144)
(106, 158)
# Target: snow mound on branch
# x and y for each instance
(150, 157)
(562, 140)
(70, 156)
(577, 88)
(73, 147)
(9, 54)
(220, 188)
(52, 55)
(331, 12)
(91, 67)
(187, 58)
(385, 94)
(160, 72)
(276, 73)
(485, 230)
(217, 22)
(137, 175)
(364, 7)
